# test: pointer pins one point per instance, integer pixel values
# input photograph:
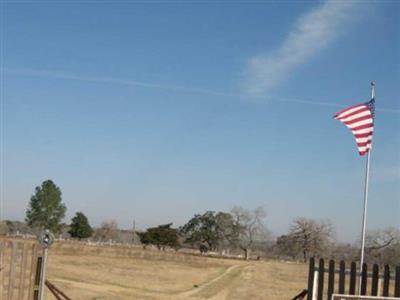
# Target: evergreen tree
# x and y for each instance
(46, 211)
(80, 227)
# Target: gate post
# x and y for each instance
(46, 240)
(321, 270)
(37, 278)
(43, 274)
(397, 282)
(311, 279)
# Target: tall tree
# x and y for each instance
(161, 236)
(383, 246)
(46, 211)
(80, 227)
(249, 227)
(209, 230)
(310, 237)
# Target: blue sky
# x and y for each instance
(157, 111)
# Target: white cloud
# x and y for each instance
(312, 32)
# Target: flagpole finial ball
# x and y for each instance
(46, 239)
(373, 83)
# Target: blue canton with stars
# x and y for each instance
(371, 106)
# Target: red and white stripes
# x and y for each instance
(360, 119)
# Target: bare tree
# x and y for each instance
(310, 237)
(108, 230)
(249, 228)
(345, 251)
(383, 246)
(382, 238)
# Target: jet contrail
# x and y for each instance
(175, 88)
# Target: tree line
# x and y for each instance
(237, 231)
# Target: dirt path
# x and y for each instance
(217, 288)
(123, 279)
(255, 281)
(244, 281)
(220, 284)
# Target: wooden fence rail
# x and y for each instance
(18, 264)
(373, 283)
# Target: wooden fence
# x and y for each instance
(18, 268)
(382, 282)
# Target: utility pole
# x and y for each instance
(134, 232)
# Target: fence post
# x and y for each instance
(315, 289)
(353, 274)
(375, 279)
(386, 280)
(342, 276)
(364, 274)
(321, 270)
(331, 278)
(397, 282)
(311, 278)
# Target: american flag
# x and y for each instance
(360, 119)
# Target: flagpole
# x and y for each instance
(364, 220)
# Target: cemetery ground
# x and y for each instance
(111, 273)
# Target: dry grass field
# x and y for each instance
(105, 273)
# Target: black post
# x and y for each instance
(321, 270)
(386, 281)
(364, 274)
(331, 278)
(37, 278)
(353, 275)
(311, 270)
(397, 282)
(342, 276)
(375, 279)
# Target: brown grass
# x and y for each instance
(94, 272)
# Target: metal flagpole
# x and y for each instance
(364, 220)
